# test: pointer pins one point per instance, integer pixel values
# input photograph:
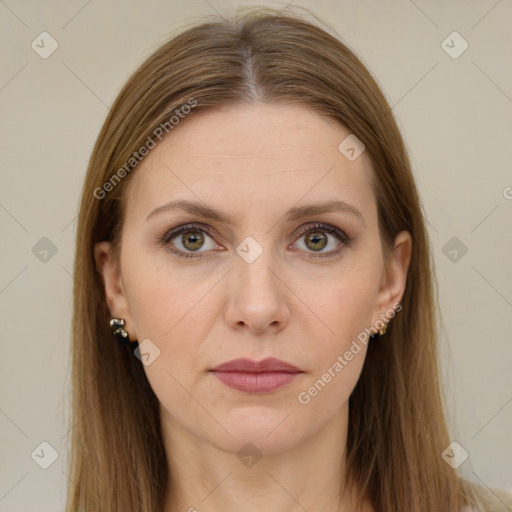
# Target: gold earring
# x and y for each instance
(382, 331)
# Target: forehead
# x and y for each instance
(258, 152)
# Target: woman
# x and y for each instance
(254, 321)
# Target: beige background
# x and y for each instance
(456, 114)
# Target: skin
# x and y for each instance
(253, 162)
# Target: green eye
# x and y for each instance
(194, 236)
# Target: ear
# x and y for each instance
(115, 295)
(394, 277)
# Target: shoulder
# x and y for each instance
(495, 500)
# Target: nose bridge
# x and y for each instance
(257, 298)
(255, 261)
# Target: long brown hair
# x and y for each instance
(397, 428)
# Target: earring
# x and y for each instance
(117, 326)
(382, 331)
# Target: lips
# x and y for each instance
(270, 364)
(250, 376)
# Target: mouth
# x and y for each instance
(256, 377)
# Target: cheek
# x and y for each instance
(175, 319)
(153, 296)
(337, 358)
(346, 304)
(332, 386)
(173, 309)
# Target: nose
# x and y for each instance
(259, 296)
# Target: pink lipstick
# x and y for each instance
(250, 376)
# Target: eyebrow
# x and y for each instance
(293, 214)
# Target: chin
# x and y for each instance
(272, 431)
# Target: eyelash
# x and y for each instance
(341, 235)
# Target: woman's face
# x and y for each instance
(266, 277)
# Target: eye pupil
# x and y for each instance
(310, 237)
(192, 240)
(191, 236)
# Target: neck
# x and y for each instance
(206, 478)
